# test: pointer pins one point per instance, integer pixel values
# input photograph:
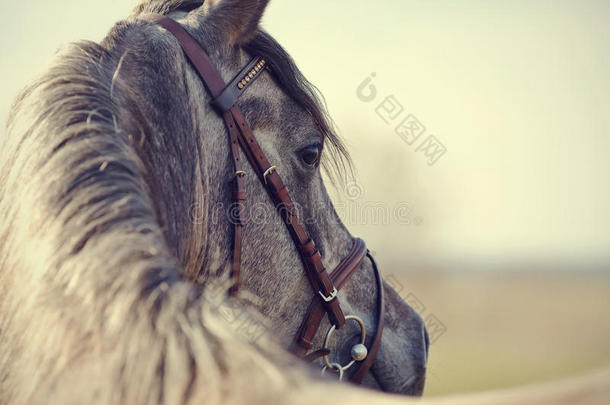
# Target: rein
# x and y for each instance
(326, 285)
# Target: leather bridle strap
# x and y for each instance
(239, 195)
(240, 135)
(372, 355)
(310, 256)
(303, 340)
(227, 98)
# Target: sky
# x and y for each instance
(517, 93)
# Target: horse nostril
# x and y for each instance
(418, 383)
(426, 341)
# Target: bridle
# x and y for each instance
(325, 301)
(326, 285)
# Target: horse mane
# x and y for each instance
(83, 229)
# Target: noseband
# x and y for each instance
(325, 284)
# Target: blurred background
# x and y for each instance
(479, 133)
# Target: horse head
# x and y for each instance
(117, 180)
(290, 124)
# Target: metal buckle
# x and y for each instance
(268, 172)
(332, 296)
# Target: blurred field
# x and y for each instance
(506, 329)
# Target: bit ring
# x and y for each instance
(330, 332)
(335, 367)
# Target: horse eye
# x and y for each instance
(311, 154)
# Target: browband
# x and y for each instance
(238, 85)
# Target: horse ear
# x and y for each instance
(237, 20)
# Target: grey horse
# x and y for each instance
(114, 181)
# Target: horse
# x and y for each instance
(116, 184)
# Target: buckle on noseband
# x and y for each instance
(240, 173)
(332, 296)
